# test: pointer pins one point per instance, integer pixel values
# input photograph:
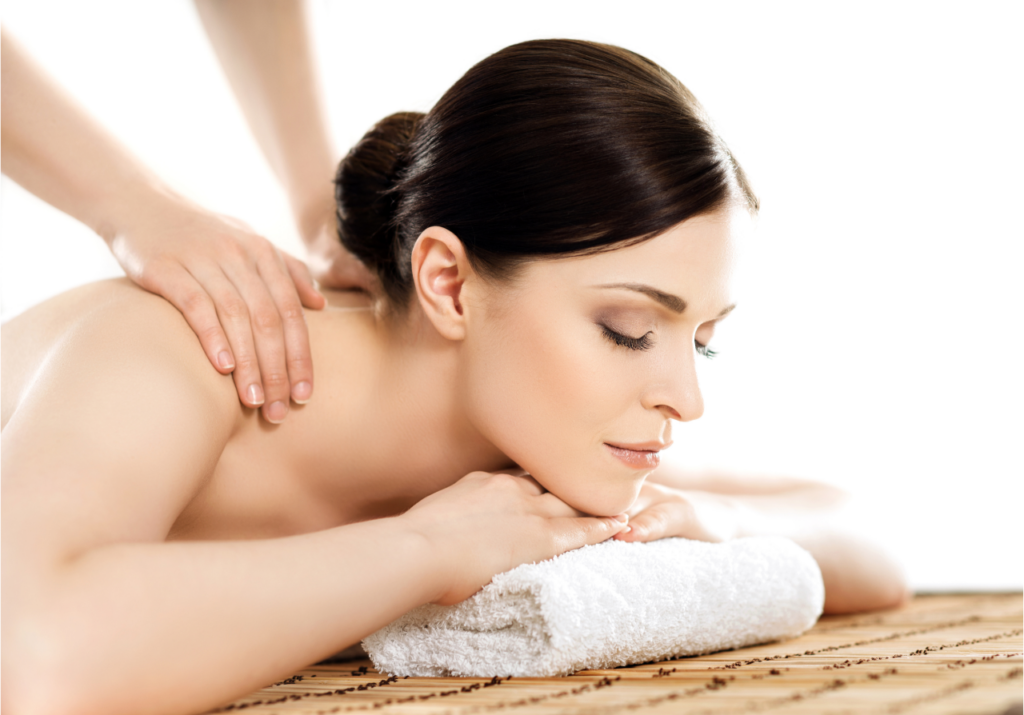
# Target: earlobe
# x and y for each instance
(440, 268)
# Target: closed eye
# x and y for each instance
(704, 350)
(642, 343)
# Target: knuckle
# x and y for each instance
(233, 309)
(505, 482)
(210, 333)
(246, 364)
(157, 267)
(291, 312)
(299, 364)
(267, 320)
(274, 379)
(264, 250)
(234, 249)
(193, 301)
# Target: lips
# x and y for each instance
(642, 455)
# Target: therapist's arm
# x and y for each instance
(241, 296)
(266, 51)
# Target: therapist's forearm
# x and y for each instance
(53, 148)
(266, 51)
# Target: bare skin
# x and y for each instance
(140, 498)
(242, 296)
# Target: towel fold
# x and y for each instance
(609, 605)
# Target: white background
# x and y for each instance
(879, 340)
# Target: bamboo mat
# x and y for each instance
(939, 654)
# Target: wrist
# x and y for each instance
(435, 561)
(313, 214)
(133, 204)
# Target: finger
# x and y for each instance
(577, 531)
(186, 294)
(531, 485)
(650, 525)
(234, 317)
(268, 337)
(299, 272)
(296, 334)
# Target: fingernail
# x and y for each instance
(623, 518)
(255, 393)
(276, 412)
(224, 358)
(302, 392)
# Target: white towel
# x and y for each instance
(608, 605)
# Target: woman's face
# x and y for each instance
(576, 368)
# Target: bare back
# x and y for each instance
(109, 380)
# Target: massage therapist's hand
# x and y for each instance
(661, 511)
(242, 296)
(486, 524)
(330, 264)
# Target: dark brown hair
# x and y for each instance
(549, 147)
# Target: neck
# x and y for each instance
(391, 428)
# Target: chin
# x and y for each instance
(602, 497)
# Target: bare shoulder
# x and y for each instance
(104, 328)
(113, 407)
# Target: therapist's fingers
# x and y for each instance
(171, 280)
(235, 320)
(299, 272)
(268, 337)
(286, 296)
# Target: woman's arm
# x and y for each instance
(858, 574)
(266, 51)
(242, 296)
(112, 440)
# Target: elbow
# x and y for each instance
(859, 575)
(41, 692)
(874, 592)
(41, 678)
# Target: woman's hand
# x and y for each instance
(660, 512)
(486, 524)
(242, 296)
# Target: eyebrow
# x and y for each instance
(672, 302)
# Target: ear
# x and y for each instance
(440, 269)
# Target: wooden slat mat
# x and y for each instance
(939, 654)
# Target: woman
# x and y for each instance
(554, 243)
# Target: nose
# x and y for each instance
(675, 390)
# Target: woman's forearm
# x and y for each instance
(266, 51)
(185, 626)
(858, 574)
(53, 148)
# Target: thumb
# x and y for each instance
(574, 532)
(308, 294)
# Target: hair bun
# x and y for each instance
(366, 196)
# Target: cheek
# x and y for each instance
(547, 394)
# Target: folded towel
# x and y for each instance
(608, 605)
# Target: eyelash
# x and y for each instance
(641, 343)
(644, 342)
(705, 351)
